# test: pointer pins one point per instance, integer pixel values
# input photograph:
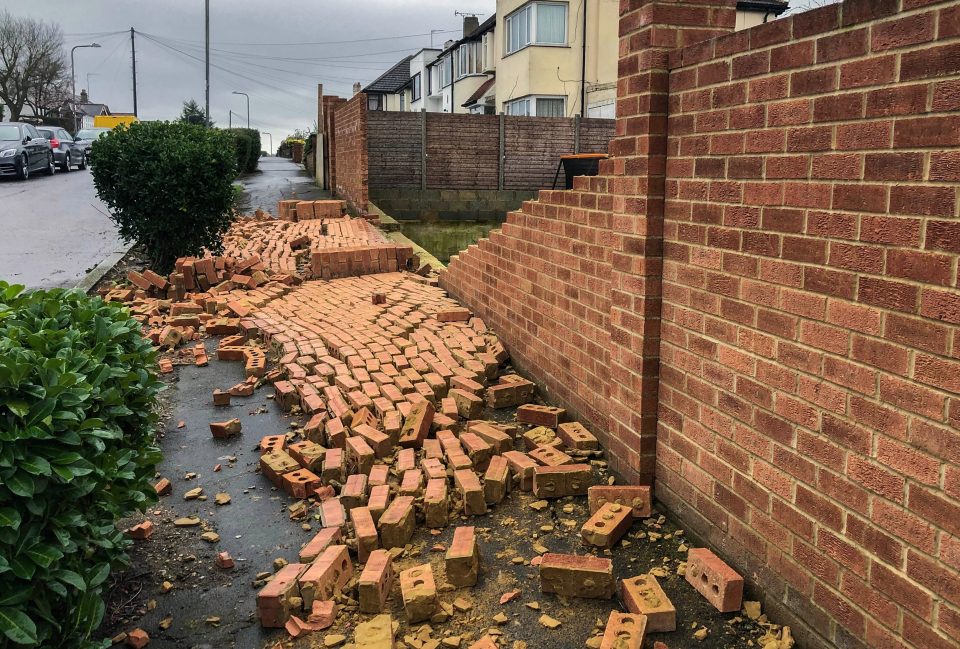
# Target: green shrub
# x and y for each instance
(255, 144)
(77, 404)
(241, 146)
(168, 186)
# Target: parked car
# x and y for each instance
(66, 152)
(23, 150)
(86, 136)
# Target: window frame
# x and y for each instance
(378, 97)
(531, 103)
(415, 90)
(531, 8)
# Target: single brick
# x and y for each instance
(326, 576)
(433, 468)
(560, 481)
(715, 580)
(378, 501)
(536, 415)
(469, 405)
(512, 391)
(432, 449)
(163, 487)
(366, 532)
(308, 455)
(332, 513)
(575, 575)
(336, 433)
(575, 435)
(271, 443)
(397, 523)
(334, 465)
(624, 631)
(221, 398)
(419, 592)
(496, 480)
(359, 455)
(416, 425)
(436, 508)
(375, 582)
(315, 546)
(462, 560)
(411, 483)
(274, 604)
(448, 407)
(607, 526)
(523, 466)
(477, 450)
(300, 483)
(225, 429)
(354, 492)
(406, 460)
(379, 474)
(643, 595)
(274, 465)
(468, 483)
(499, 440)
(550, 456)
(634, 496)
(540, 436)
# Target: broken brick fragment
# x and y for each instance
(225, 429)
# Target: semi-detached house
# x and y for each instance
(546, 58)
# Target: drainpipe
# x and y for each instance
(583, 62)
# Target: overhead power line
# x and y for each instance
(353, 40)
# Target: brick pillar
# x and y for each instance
(649, 30)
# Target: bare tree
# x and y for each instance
(32, 63)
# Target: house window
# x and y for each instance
(375, 102)
(469, 59)
(403, 100)
(446, 71)
(537, 23)
(415, 88)
(537, 107)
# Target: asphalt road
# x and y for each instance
(53, 230)
(278, 179)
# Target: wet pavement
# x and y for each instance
(278, 179)
(54, 230)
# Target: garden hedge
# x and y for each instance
(168, 187)
(77, 451)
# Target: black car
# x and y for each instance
(66, 152)
(23, 150)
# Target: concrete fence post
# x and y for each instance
(576, 134)
(501, 159)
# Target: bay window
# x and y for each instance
(536, 23)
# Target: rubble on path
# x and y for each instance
(393, 379)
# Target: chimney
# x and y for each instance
(470, 25)
(84, 98)
(356, 88)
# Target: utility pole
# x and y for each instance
(207, 48)
(133, 61)
(231, 119)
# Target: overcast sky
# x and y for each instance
(263, 48)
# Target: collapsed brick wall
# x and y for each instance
(463, 151)
(801, 392)
(350, 152)
(809, 405)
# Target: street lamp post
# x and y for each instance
(73, 81)
(248, 105)
(271, 141)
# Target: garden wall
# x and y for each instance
(757, 301)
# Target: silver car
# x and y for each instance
(86, 136)
(66, 152)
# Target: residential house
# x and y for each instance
(547, 58)
(387, 92)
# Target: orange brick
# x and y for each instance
(560, 481)
(419, 591)
(720, 584)
(359, 455)
(496, 480)
(468, 483)
(332, 513)
(607, 526)
(635, 496)
(378, 501)
(274, 604)
(499, 440)
(416, 425)
(378, 441)
(365, 531)
(300, 483)
(537, 415)
(411, 483)
(550, 456)
(334, 465)
(436, 509)
(397, 523)
(644, 596)
(575, 435)
(577, 575)
(624, 631)
(354, 492)
(375, 582)
(326, 576)
(323, 539)
(521, 465)
(462, 560)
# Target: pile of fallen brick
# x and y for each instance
(394, 377)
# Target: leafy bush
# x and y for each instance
(255, 144)
(168, 186)
(77, 397)
(241, 146)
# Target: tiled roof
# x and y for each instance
(393, 79)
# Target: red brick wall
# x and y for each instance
(350, 152)
(809, 384)
(330, 104)
(791, 193)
